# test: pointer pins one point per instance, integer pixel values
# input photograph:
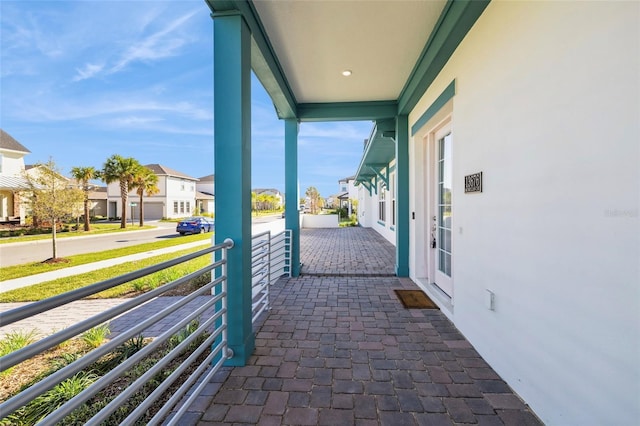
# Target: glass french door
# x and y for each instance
(444, 217)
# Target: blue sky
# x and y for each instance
(82, 80)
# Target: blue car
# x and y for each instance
(195, 225)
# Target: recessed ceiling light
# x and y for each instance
(346, 73)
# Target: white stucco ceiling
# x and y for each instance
(379, 41)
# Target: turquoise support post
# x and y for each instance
(232, 149)
(402, 196)
(292, 217)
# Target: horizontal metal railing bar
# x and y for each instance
(102, 382)
(260, 256)
(186, 385)
(27, 311)
(48, 342)
(133, 387)
(262, 271)
(253, 237)
(260, 300)
(259, 245)
(11, 405)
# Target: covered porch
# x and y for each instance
(339, 348)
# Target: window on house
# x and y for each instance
(181, 206)
(392, 190)
(188, 207)
(175, 207)
(382, 208)
(182, 186)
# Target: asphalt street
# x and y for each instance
(37, 251)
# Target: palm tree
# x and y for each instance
(83, 175)
(145, 181)
(122, 170)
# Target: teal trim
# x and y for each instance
(456, 20)
(375, 184)
(402, 196)
(347, 111)
(392, 169)
(383, 177)
(380, 150)
(393, 228)
(232, 161)
(381, 223)
(264, 61)
(292, 193)
(436, 106)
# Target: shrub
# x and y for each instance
(96, 336)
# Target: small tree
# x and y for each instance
(145, 181)
(53, 198)
(122, 170)
(83, 175)
(314, 196)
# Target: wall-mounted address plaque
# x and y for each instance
(473, 183)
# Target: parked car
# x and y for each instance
(195, 225)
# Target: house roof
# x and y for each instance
(9, 143)
(207, 178)
(161, 170)
(263, 190)
(204, 196)
(98, 193)
(347, 179)
(13, 183)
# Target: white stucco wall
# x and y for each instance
(319, 221)
(547, 107)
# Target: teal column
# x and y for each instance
(402, 196)
(292, 217)
(232, 149)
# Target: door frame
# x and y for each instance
(441, 129)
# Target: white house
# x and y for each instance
(348, 193)
(505, 155)
(12, 182)
(523, 201)
(273, 192)
(176, 197)
(205, 195)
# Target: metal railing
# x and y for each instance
(209, 340)
(270, 260)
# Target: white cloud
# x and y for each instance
(88, 71)
(159, 45)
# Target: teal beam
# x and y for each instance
(292, 215)
(347, 111)
(402, 196)
(454, 23)
(367, 186)
(232, 150)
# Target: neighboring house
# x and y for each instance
(176, 198)
(507, 136)
(97, 198)
(205, 194)
(348, 193)
(274, 192)
(12, 182)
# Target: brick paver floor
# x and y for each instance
(343, 350)
(351, 251)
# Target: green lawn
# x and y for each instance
(17, 271)
(52, 288)
(96, 228)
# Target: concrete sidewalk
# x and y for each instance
(88, 267)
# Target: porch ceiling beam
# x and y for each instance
(264, 61)
(377, 171)
(347, 111)
(456, 20)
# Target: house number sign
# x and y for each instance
(473, 183)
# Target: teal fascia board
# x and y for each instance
(264, 61)
(292, 193)
(454, 23)
(380, 150)
(347, 111)
(436, 106)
